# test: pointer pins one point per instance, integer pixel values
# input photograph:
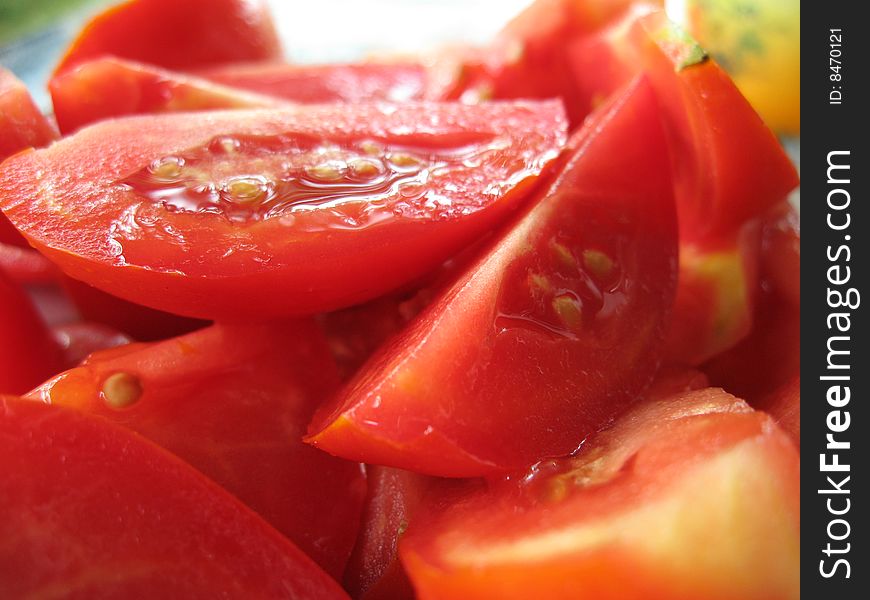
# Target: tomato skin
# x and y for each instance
(99, 512)
(28, 352)
(388, 414)
(22, 125)
(111, 87)
(720, 186)
(141, 323)
(178, 35)
(23, 264)
(257, 268)
(233, 401)
(313, 84)
(622, 519)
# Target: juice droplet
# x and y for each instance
(168, 168)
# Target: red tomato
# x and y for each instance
(781, 254)
(311, 84)
(695, 496)
(141, 323)
(719, 184)
(80, 339)
(22, 125)
(23, 265)
(547, 336)
(528, 59)
(178, 35)
(784, 405)
(234, 402)
(110, 87)
(94, 511)
(373, 570)
(28, 352)
(245, 214)
(717, 289)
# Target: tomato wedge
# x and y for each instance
(111, 87)
(566, 312)
(141, 323)
(22, 125)
(243, 214)
(311, 84)
(28, 352)
(80, 339)
(94, 511)
(178, 35)
(695, 496)
(717, 291)
(719, 184)
(233, 401)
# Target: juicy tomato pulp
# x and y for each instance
(244, 214)
(233, 401)
(94, 511)
(622, 519)
(177, 34)
(566, 310)
(110, 87)
(28, 352)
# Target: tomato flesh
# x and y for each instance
(178, 35)
(566, 311)
(233, 401)
(111, 87)
(94, 511)
(253, 213)
(622, 518)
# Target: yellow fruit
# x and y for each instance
(758, 43)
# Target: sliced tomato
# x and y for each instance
(717, 289)
(623, 518)
(311, 84)
(94, 511)
(22, 125)
(242, 214)
(528, 58)
(719, 185)
(234, 402)
(111, 87)
(178, 35)
(373, 570)
(80, 339)
(141, 323)
(566, 310)
(23, 265)
(784, 405)
(781, 253)
(28, 352)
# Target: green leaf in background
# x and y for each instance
(21, 17)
